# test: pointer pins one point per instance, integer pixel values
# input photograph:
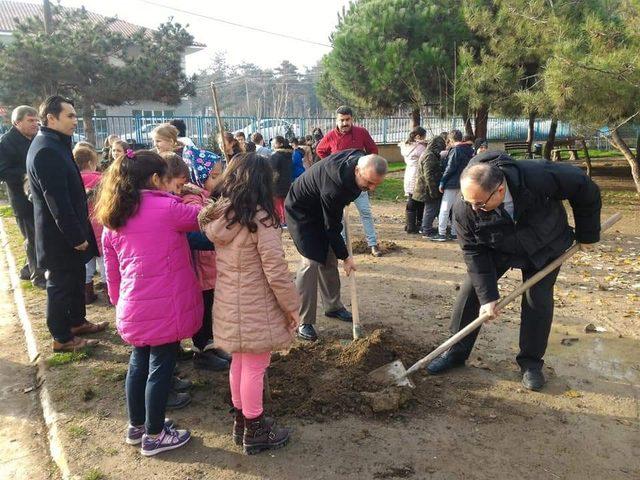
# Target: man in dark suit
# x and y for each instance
(64, 238)
(314, 209)
(14, 146)
(511, 215)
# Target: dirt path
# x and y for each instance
(476, 423)
(22, 432)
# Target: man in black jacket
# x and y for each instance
(64, 238)
(13, 157)
(511, 216)
(314, 208)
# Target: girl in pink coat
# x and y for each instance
(152, 283)
(256, 304)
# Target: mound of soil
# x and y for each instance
(328, 378)
(360, 246)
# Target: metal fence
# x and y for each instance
(383, 130)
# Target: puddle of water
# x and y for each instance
(602, 354)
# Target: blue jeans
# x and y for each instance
(148, 383)
(363, 205)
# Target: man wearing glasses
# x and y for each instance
(510, 215)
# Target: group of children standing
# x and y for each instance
(167, 246)
(432, 179)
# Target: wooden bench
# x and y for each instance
(568, 145)
(518, 148)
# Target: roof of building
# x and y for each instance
(13, 12)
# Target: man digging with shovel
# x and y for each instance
(314, 209)
(510, 215)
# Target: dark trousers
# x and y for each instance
(148, 383)
(205, 334)
(417, 208)
(27, 229)
(65, 301)
(431, 211)
(535, 317)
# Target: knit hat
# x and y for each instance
(200, 163)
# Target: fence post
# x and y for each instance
(199, 129)
(384, 130)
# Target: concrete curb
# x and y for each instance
(48, 412)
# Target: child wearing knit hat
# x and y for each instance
(205, 169)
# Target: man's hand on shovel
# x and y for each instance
(349, 265)
(490, 309)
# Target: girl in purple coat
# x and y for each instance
(152, 283)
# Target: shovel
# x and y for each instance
(395, 373)
(357, 328)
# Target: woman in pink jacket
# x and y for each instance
(256, 304)
(152, 283)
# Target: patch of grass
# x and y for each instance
(397, 166)
(390, 189)
(115, 374)
(593, 153)
(6, 211)
(620, 197)
(94, 474)
(77, 432)
(62, 358)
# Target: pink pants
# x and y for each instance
(246, 378)
(278, 205)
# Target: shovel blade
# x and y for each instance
(392, 373)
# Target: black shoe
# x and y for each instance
(452, 237)
(341, 314)
(533, 379)
(439, 238)
(307, 332)
(208, 360)
(178, 400)
(25, 273)
(444, 362)
(180, 385)
(39, 282)
(184, 354)
(222, 354)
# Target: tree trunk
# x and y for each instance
(531, 130)
(634, 160)
(468, 126)
(89, 130)
(415, 117)
(551, 138)
(482, 120)
(587, 158)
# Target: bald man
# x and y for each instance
(314, 208)
(511, 215)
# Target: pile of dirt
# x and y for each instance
(361, 246)
(328, 379)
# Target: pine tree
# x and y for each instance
(93, 64)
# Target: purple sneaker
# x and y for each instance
(168, 439)
(134, 434)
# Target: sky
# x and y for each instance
(311, 20)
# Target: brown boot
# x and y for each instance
(263, 434)
(88, 327)
(238, 426)
(89, 294)
(73, 345)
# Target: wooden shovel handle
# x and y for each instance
(357, 329)
(508, 299)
